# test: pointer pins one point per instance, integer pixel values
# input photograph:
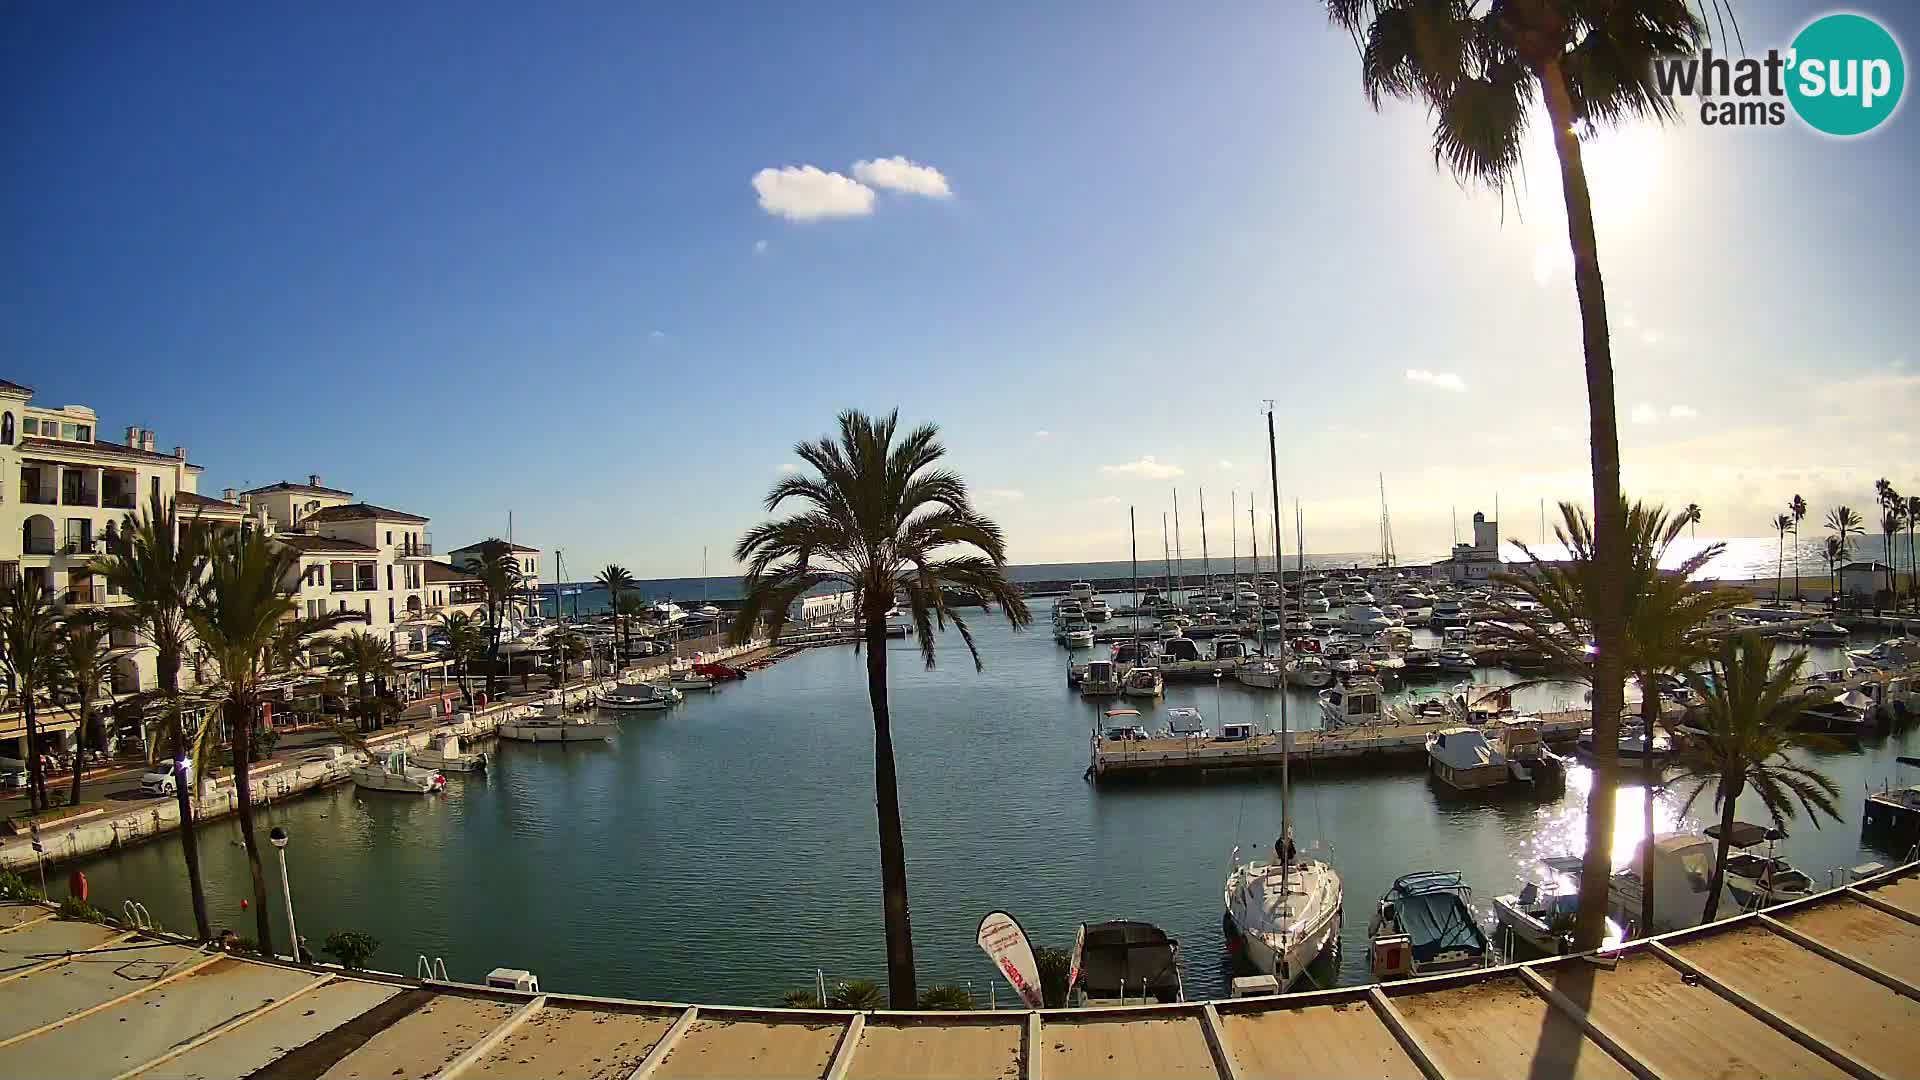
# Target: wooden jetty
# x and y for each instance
(1395, 743)
(1828, 986)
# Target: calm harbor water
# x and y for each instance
(725, 850)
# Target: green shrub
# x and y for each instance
(79, 910)
(944, 997)
(1054, 965)
(351, 948)
(800, 999)
(860, 994)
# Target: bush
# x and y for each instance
(944, 997)
(1054, 965)
(15, 887)
(859, 994)
(351, 948)
(800, 999)
(79, 910)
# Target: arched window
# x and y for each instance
(6, 430)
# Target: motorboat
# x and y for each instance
(1098, 611)
(1446, 614)
(1068, 611)
(1363, 618)
(1825, 631)
(1754, 880)
(1101, 679)
(1181, 652)
(1682, 878)
(1126, 963)
(392, 772)
(1081, 591)
(1523, 743)
(1263, 674)
(554, 724)
(1538, 920)
(1892, 654)
(1283, 914)
(1144, 681)
(1848, 714)
(1425, 925)
(636, 697)
(447, 752)
(1123, 725)
(1308, 672)
(688, 678)
(1230, 649)
(1187, 723)
(1077, 634)
(1356, 703)
(1632, 742)
(1431, 707)
(1465, 759)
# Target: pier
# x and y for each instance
(1828, 986)
(1396, 743)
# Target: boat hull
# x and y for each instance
(562, 733)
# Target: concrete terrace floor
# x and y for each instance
(1825, 987)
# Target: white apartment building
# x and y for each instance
(65, 496)
(527, 557)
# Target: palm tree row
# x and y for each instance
(616, 580)
(500, 576)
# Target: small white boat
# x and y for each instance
(391, 772)
(638, 697)
(1538, 920)
(1098, 611)
(1264, 674)
(1757, 881)
(1284, 915)
(1101, 679)
(1144, 682)
(1187, 723)
(552, 724)
(1081, 591)
(448, 753)
(1826, 631)
(1356, 703)
(689, 679)
(1364, 618)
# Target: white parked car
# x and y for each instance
(161, 783)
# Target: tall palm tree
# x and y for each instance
(365, 657)
(1797, 506)
(1782, 524)
(157, 569)
(1913, 563)
(1737, 740)
(1892, 519)
(1477, 70)
(240, 616)
(616, 580)
(1836, 552)
(630, 609)
(566, 646)
(30, 666)
(466, 640)
(1844, 524)
(1691, 515)
(1670, 621)
(499, 572)
(879, 518)
(86, 676)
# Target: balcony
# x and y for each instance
(38, 545)
(343, 586)
(39, 496)
(85, 592)
(119, 500)
(414, 549)
(81, 545)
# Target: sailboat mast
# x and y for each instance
(1206, 568)
(1253, 530)
(1299, 542)
(1177, 554)
(1286, 790)
(1133, 537)
(1233, 519)
(1166, 553)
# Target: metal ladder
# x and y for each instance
(434, 970)
(137, 914)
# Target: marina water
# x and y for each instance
(725, 850)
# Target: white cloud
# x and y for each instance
(1565, 433)
(1002, 495)
(1683, 412)
(1440, 380)
(1042, 433)
(656, 336)
(790, 468)
(806, 193)
(899, 174)
(759, 247)
(1645, 413)
(1146, 468)
(1104, 500)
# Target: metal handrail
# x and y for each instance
(137, 914)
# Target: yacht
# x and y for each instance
(1144, 682)
(1455, 660)
(448, 753)
(1282, 915)
(1890, 655)
(1826, 631)
(1076, 634)
(1101, 679)
(1363, 618)
(1632, 743)
(1681, 882)
(1351, 705)
(554, 724)
(1187, 723)
(1230, 650)
(636, 697)
(1123, 725)
(1848, 714)
(1069, 611)
(1446, 614)
(1098, 611)
(392, 772)
(1425, 925)
(1757, 881)
(1081, 591)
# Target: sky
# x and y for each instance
(603, 265)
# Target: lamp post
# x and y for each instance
(279, 838)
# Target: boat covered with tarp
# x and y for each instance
(1425, 925)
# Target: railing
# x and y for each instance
(85, 545)
(404, 549)
(94, 593)
(39, 547)
(128, 501)
(39, 497)
(79, 497)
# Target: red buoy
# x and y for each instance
(77, 885)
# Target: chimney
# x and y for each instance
(230, 495)
(313, 479)
(133, 437)
(146, 440)
(180, 453)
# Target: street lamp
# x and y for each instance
(279, 838)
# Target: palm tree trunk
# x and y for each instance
(901, 990)
(36, 775)
(1780, 568)
(183, 795)
(1649, 716)
(240, 726)
(1796, 566)
(1732, 795)
(1609, 526)
(80, 744)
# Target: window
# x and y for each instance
(389, 536)
(343, 605)
(84, 432)
(6, 429)
(156, 491)
(389, 569)
(390, 609)
(366, 607)
(30, 426)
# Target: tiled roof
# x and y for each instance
(15, 387)
(110, 449)
(317, 544)
(309, 489)
(509, 547)
(193, 500)
(443, 573)
(361, 512)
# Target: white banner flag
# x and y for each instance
(1005, 943)
(1079, 955)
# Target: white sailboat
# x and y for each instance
(1284, 913)
(392, 772)
(554, 724)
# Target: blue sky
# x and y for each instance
(470, 258)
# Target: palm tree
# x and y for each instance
(1738, 740)
(85, 672)
(616, 580)
(1913, 564)
(240, 616)
(499, 572)
(1670, 622)
(1691, 515)
(1782, 524)
(629, 609)
(365, 657)
(30, 665)
(1844, 524)
(1477, 70)
(566, 646)
(158, 569)
(1836, 552)
(879, 519)
(1892, 518)
(1798, 508)
(466, 640)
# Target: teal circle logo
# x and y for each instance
(1847, 74)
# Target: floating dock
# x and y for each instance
(1143, 759)
(1828, 986)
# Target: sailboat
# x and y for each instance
(1281, 915)
(706, 610)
